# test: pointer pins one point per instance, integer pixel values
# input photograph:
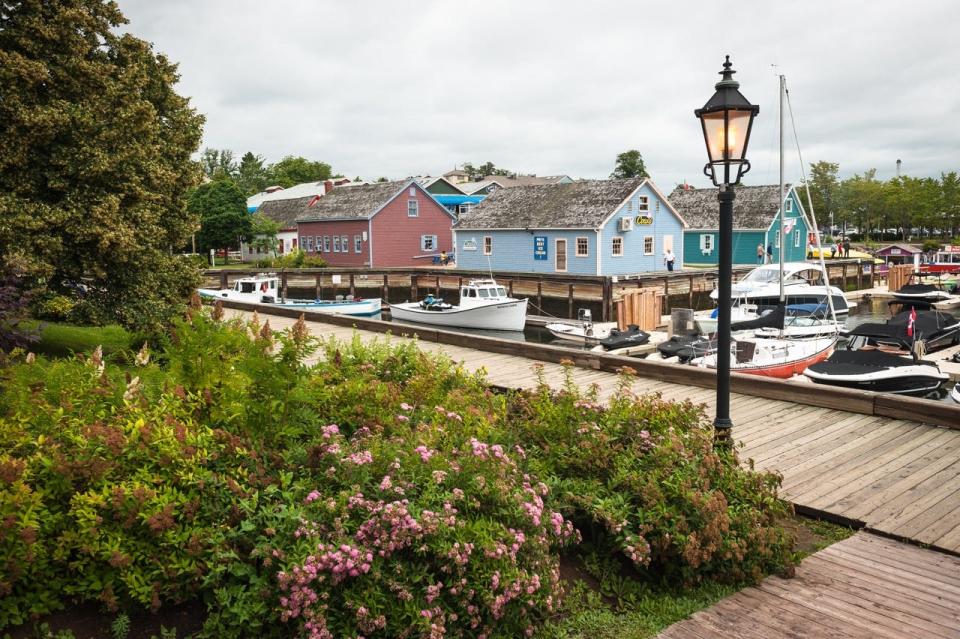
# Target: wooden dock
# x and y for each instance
(863, 587)
(872, 464)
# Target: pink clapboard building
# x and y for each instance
(377, 225)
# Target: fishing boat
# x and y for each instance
(483, 304)
(264, 288)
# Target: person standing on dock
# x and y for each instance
(770, 253)
(846, 247)
(760, 254)
(668, 258)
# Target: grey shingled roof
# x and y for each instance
(754, 207)
(352, 202)
(578, 205)
(285, 212)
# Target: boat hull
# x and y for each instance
(780, 368)
(359, 308)
(897, 382)
(955, 393)
(500, 316)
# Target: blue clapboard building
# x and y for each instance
(588, 227)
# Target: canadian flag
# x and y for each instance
(913, 318)
(788, 224)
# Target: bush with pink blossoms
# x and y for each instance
(421, 542)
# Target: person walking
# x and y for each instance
(668, 258)
(770, 253)
(760, 253)
(846, 247)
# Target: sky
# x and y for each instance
(397, 88)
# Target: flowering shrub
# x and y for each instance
(643, 473)
(382, 492)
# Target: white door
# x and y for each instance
(667, 243)
(561, 264)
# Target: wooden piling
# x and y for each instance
(385, 289)
(353, 288)
(570, 314)
(319, 287)
(539, 297)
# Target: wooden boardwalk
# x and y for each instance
(898, 477)
(862, 587)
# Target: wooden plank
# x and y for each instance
(939, 413)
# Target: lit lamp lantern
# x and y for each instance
(727, 119)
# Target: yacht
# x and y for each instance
(803, 283)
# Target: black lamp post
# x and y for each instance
(727, 119)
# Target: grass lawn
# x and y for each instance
(60, 340)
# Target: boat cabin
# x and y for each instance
(260, 284)
(947, 260)
(482, 290)
(793, 273)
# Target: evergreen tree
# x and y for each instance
(629, 165)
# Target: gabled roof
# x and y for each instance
(579, 205)
(359, 202)
(427, 181)
(285, 212)
(754, 208)
(904, 248)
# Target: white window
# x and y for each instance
(413, 208)
(303, 241)
(487, 245)
(776, 242)
(583, 247)
(643, 203)
(788, 206)
(309, 247)
(706, 243)
(319, 243)
(648, 245)
(428, 242)
(667, 243)
(326, 243)
(357, 244)
(336, 243)
(796, 238)
(617, 248)
(413, 191)
(345, 243)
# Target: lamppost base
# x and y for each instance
(722, 438)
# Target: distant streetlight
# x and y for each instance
(727, 120)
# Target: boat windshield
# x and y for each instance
(247, 287)
(502, 292)
(762, 275)
(483, 292)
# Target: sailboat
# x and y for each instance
(781, 356)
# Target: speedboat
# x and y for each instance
(921, 292)
(876, 370)
(955, 393)
(483, 304)
(935, 329)
(582, 333)
(780, 358)
(264, 288)
(803, 283)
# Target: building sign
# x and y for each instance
(895, 251)
(470, 245)
(643, 220)
(539, 247)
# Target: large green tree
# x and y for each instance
(222, 208)
(629, 165)
(95, 149)
(296, 170)
(824, 190)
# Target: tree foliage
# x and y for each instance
(252, 175)
(95, 149)
(629, 165)
(218, 163)
(485, 170)
(222, 209)
(263, 234)
(296, 170)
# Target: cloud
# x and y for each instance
(399, 88)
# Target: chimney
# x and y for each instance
(327, 186)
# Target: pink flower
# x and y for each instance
(361, 458)
(313, 496)
(424, 452)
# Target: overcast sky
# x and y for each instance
(392, 88)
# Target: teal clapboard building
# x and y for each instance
(587, 227)
(756, 219)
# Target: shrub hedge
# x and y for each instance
(342, 490)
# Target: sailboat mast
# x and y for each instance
(783, 240)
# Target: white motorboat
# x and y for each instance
(483, 304)
(955, 393)
(264, 288)
(582, 333)
(803, 283)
